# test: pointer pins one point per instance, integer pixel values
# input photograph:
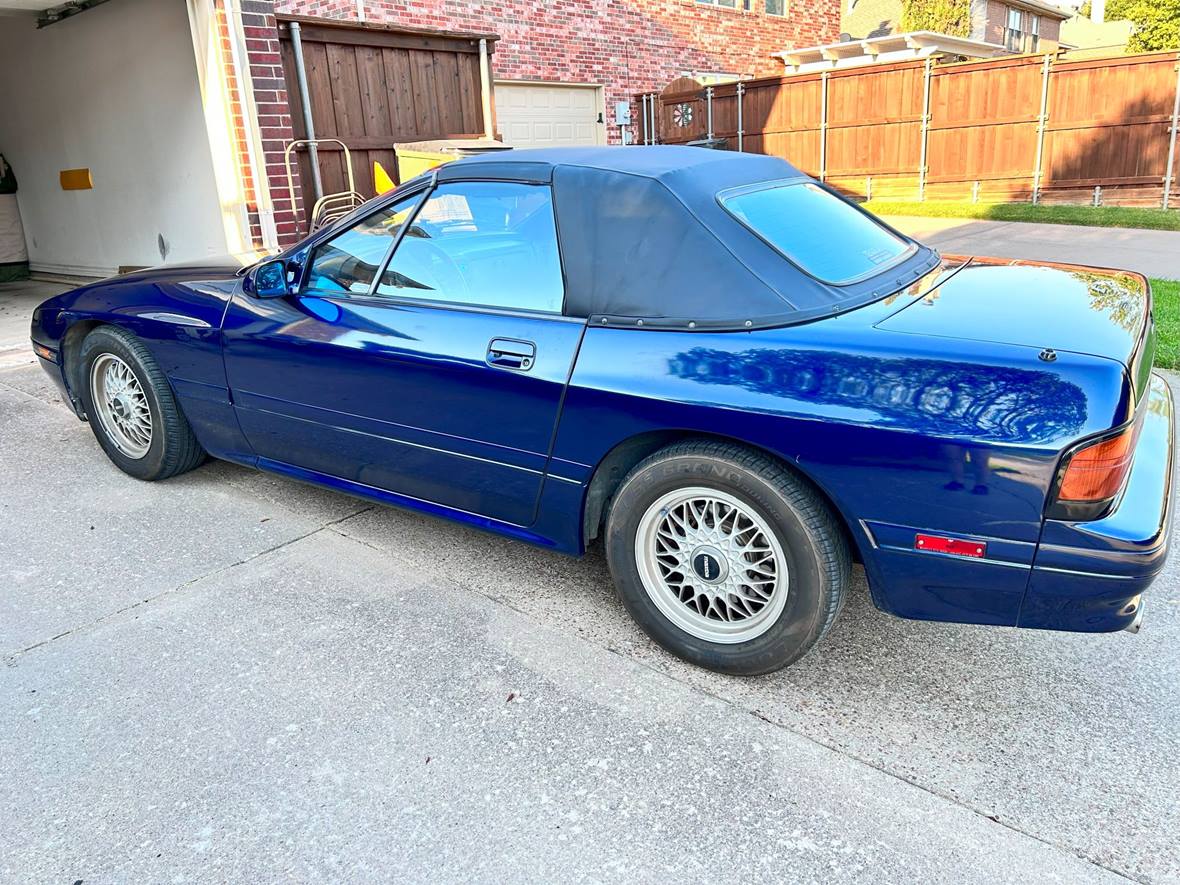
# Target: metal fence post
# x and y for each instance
(741, 91)
(643, 111)
(823, 127)
(925, 129)
(709, 112)
(655, 122)
(1042, 123)
(1168, 175)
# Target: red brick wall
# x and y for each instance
(273, 112)
(628, 46)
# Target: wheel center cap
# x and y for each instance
(709, 565)
(120, 407)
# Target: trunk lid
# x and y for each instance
(1104, 313)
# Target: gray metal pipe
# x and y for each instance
(305, 101)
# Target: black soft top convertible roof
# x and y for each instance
(645, 242)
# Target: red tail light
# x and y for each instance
(1096, 472)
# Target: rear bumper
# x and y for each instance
(1089, 576)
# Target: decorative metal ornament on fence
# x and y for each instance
(682, 115)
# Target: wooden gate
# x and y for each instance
(372, 87)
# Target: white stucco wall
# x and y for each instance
(114, 89)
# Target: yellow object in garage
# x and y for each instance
(76, 180)
(382, 182)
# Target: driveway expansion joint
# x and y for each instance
(11, 658)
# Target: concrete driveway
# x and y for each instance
(1155, 253)
(230, 676)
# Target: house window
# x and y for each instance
(728, 4)
(1013, 34)
(776, 7)
(1034, 32)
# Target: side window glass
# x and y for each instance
(349, 261)
(486, 243)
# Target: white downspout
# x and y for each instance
(266, 210)
(485, 89)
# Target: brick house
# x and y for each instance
(1017, 25)
(573, 61)
(623, 46)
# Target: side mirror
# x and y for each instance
(268, 280)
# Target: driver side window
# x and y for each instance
(350, 260)
(485, 243)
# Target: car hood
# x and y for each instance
(1087, 310)
(193, 294)
(222, 267)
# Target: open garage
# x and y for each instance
(113, 123)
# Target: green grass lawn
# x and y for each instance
(1101, 216)
(1167, 323)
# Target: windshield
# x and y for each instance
(816, 230)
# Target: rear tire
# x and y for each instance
(131, 408)
(726, 558)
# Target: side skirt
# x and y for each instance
(381, 496)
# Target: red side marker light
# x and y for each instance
(953, 546)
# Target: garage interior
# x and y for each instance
(106, 127)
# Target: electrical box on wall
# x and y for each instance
(76, 180)
(622, 113)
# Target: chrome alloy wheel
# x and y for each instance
(712, 565)
(121, 405)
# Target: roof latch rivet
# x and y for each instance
(749, 323)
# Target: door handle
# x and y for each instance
(510, 353)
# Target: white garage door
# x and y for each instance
(543, 115)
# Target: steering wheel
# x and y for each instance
(443, 269)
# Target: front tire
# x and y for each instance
(131, 407)
(726, 558)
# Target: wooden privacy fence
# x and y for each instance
(373, 87)
(1015, 128)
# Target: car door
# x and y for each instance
(425, 352)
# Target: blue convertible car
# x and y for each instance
(735, 379)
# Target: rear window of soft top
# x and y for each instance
(816, 230)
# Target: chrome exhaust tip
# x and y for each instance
(1134, 626)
